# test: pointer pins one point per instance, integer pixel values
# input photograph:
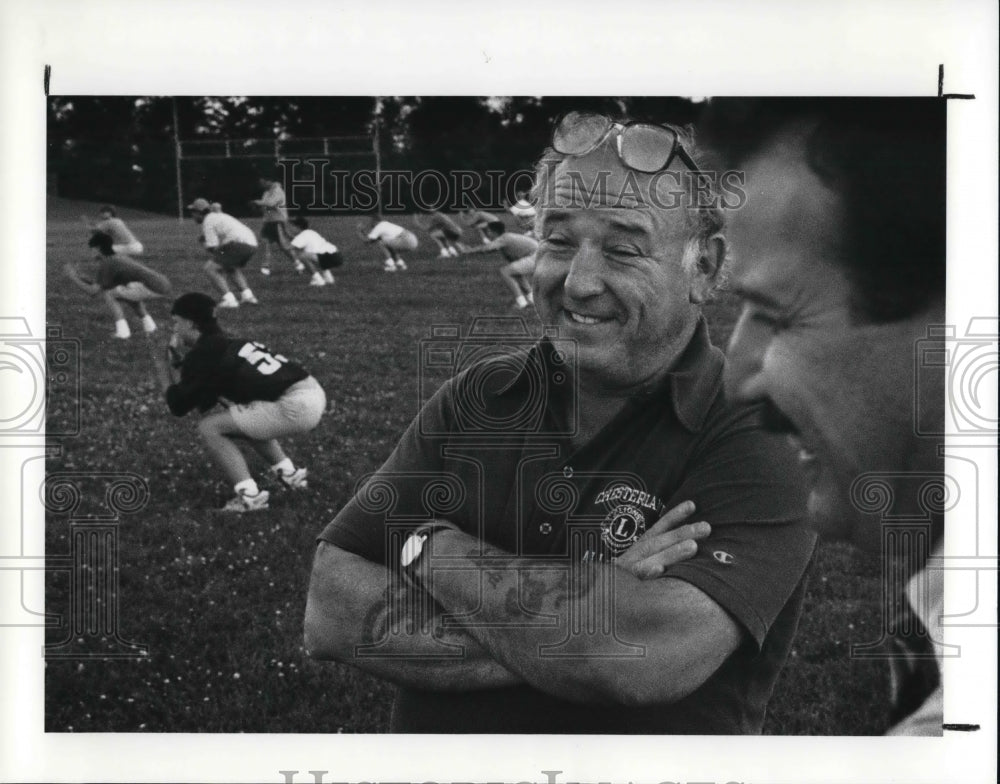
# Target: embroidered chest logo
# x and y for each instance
(623, 525)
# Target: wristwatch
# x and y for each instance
(416, 544)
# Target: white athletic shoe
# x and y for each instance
(296, 480)
(317, 280)
(228, 301)
(454, 253)
(300, 267)
(244, 502)
(121, 335)
(248, 297)
(265, 271)
(400, 264)
(328, 276)
(390, 266)
(444, 254)
(530, 297)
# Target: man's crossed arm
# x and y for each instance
(486, 624)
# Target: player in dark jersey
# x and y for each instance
(519, 251)
(120, 278)
(266, 397)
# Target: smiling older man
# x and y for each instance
(516, 565)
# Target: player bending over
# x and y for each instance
(123, 240)
(314, 251)
(231, 244)
(392, 239)
(267, 397)
(478, 220)
(443, 230)
(121, 279)
(525, 214)
(519, 250)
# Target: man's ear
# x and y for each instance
(710, 254)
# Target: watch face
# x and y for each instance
(411, 549)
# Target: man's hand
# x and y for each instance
(664, 544)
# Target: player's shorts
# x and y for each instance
(136, 291)
(274, 231)
(445, 232)
(523, 266)
(128, 248)
(298, 410)
(329, 260)
(405, 241)
(234, 255)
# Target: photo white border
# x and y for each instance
(226, 47)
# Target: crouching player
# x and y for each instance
(391, 238)
(314, 251)
(267, 397)
(121, 279)
(519, 251)
(443, 230)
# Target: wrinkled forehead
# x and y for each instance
(599, 181)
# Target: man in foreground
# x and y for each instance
(839, 257)
(514, 566)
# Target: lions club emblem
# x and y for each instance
(623, 525)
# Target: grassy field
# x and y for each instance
(218, 600)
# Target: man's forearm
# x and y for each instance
(582, 631)
(359, 614)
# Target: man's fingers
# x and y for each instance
(673, 517)
(655, 565)
(653, 542)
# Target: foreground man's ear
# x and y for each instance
(710, 255)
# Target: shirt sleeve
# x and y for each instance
(747, 485)
(273, 197)
(199, 386)
(396, 496)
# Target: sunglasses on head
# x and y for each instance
(641, 146)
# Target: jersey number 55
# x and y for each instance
(258, 356)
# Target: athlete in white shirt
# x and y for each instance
(392, 239)
(314, 251)
(231, 244)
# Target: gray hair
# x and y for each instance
(704, 221)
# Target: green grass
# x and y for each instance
(218, 600)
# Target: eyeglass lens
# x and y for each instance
(647, 148)
(578, 133)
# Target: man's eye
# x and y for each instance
(624, 251)
(555, 242)
(768, 321)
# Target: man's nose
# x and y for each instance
(585, 272)
(744, 380)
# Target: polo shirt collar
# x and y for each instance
(691, 387)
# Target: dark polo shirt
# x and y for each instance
(491, 451)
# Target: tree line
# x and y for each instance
(120, 149)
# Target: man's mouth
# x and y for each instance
(580, 318)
